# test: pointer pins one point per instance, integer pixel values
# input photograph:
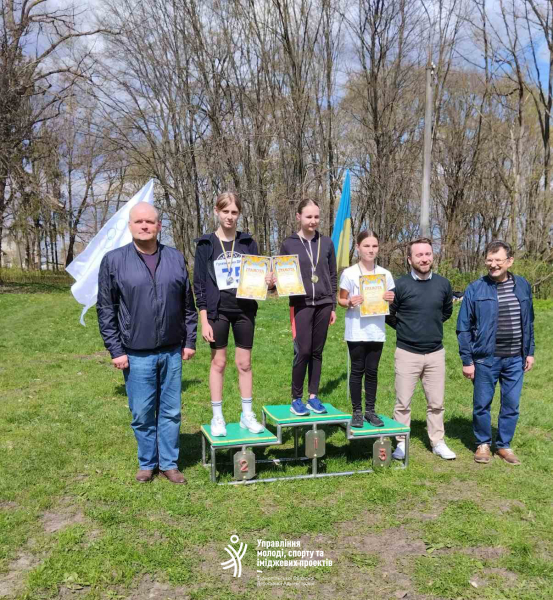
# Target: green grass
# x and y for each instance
(14, 279)
(70, 510)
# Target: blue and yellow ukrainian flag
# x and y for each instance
(341, 234)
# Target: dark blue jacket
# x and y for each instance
(477, 321)
(139, 312)
(205, 283)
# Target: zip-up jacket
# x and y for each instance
(324, 290)
(477, 320)
(139, 312)
(205, 282)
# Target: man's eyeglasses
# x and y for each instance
(495, 261)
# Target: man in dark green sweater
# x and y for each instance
(423, 302)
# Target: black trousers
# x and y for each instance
(365, 357)
(309, 328)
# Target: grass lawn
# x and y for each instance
(74, 524)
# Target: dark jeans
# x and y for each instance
(309, 328)
(510, 373)
(365, 357)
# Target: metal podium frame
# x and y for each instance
(344, 423)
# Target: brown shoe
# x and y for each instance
(174, 476)
(508, 456)
(483, 454)
(144, 475)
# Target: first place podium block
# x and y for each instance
(315, 443)
(280, 415)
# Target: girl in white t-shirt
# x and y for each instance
(365, 335)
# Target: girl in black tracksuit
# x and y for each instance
(216, 274)
(311, 314)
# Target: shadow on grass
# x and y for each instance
(331, 385)
(418, 430)
(190, 450)
(457, 428)
(352, 452)
(461, 428)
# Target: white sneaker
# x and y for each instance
(399, 452)
(250, 423)
(443, 451)
(218, 427)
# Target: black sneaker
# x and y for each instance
(357, 419)
(372, 418)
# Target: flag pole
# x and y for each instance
(115, 233)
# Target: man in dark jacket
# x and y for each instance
(495, 330)
(148, 323)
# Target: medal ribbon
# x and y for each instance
(310, 253)
(361, 270)
(229, 264)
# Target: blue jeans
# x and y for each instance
(510, 373)
(153, 382)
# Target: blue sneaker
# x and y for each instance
(298, 408)
(316, 406)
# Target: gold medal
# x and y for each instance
(314, 278)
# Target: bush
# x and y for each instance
(538, 272)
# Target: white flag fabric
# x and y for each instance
(114, 234)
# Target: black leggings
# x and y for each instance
(365, 357)
(309, 328)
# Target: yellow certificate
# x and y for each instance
(372, 288)
(252, 284)
(288, 275)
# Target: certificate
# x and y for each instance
(372, 288)
(252, 284)
(288, 275)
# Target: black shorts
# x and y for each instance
(243, 326)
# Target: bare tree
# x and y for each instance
(31, 89)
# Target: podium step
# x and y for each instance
(390, 427)
(280, 414)
(236, 436)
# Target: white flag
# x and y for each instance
(114, 234)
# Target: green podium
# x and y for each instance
(279, 416)
(390, 428)
(236, 438)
